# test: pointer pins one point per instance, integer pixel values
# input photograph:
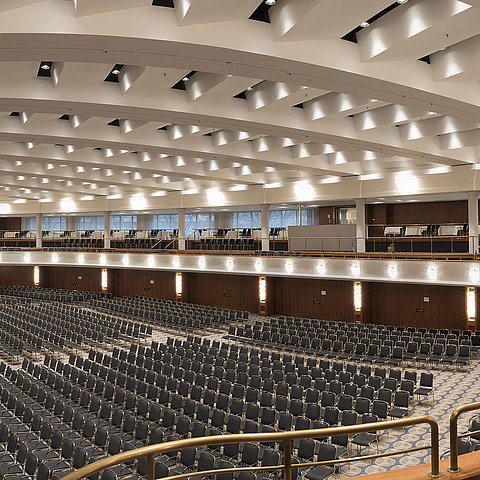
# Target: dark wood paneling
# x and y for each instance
(397, 304)
(72, 278)
(226, 291)
(303, 297)
(13, 224)
(376, 214)
(139, 282)
(16, 275)
(424, 213)
(327, 216)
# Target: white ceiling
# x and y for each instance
(375, 120)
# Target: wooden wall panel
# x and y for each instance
(303, 297)
(16, 275)
(376, 214)
(226, 291)
(397, 304)
(138, 282)
(424, 213)
(327, 216)
(13, 224)
(71, 278)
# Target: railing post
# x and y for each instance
(435, 455)
(454, 441)
(151, 467)
(287, 455)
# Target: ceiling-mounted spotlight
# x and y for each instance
(185, 79)
(270, 2)
(402, 2)
(45, 66)
(116, 71)
(364, 24)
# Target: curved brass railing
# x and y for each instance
(285, 437)
(454, 436)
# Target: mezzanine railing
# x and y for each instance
(278, 437)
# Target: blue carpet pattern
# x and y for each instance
(452, 388)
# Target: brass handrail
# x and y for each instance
(454, 433)
(285, 437)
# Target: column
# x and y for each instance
(106, 229)
(181, 229)
(265, 216)
(300, 215)
(472, 221)
(38, 235)
(360, 223)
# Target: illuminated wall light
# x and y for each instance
(392, 270)
(81, 258)
(262, 289)
(125, 260)
(474, 275)
(201, 262)
(258, 265)
(321, 268)
(151, 261)
(178, 284)
(289, 267)
(36, 275)
(471, 304)
(175, 262)
(104, 279)
(26, 258)
(103, 259)
(229, 264)
(357, 296)
(55, 257)
(432, 272)
(355, 268)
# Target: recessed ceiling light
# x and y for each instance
(116, 71)
(364, 24)
(402, 2)
(185, 79)
(250, 89)
(45, 66)
(270, 2)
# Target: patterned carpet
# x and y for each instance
(452, 389)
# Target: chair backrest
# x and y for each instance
(380, 409)
(401, 399)
(426, 379)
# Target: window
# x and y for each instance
(283, 218)
(194, 221)
(93, 222)
(288, 218)
(165, 221)
(54, 224)
(123, 222)
(29, 223)
(247, 220)
(347, 215)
